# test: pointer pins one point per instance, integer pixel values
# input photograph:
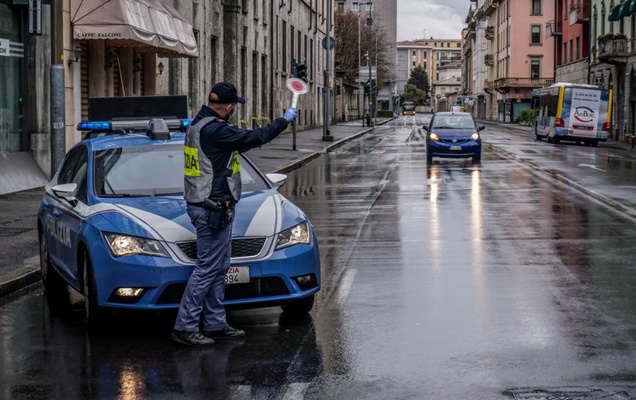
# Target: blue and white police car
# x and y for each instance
(113, 225)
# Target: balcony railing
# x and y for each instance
(490, 6)
(612, 49)
(579, 13)
(523, 82)
(552, 28)
(490, 32)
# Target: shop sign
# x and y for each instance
(4, 48)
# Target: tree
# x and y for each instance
(419, 78)
(346, 48)
(414, 94)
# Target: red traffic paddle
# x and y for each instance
(297, 87)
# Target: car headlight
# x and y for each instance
(434, 137)
(124, 245)
(298, 234)
(474, 136)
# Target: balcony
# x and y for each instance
(552, 28)
(490, 6)
(507, 83)
(488, 86)
(612, 48)
(489, 59)
(490, 32)
(579, 13)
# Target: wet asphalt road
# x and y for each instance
(454, 281)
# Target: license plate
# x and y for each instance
(456, 147)
(237, 275)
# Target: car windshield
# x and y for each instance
(453, 122)
(151, 171)
(408, 107)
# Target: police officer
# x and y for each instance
(212, 188)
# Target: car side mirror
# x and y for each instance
(482, 127)
(425, 128)
(66, 191)
(278, 180)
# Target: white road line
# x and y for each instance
(345, 286)
(296, 391)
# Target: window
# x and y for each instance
(74, 171)
(535, 69)
(341, 7)
(565, 52)
(571, 50)
(578, 48)
(536, 34)
(536, 6)
(414, 53)
(355, 6)
(369, 6)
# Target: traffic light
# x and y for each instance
(367, 88)
(338, 89)
(301, 71)
(294, 67)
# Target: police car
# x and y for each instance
(113, 225)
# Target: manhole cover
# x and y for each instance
(566, 394)
(529, 151)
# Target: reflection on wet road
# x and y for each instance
(454, 281)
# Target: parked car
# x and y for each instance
(113, 225)
(454, 135)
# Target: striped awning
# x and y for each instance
(146, 25)
(625, 9)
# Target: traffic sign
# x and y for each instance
(357, 91)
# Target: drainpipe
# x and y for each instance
(57, 107)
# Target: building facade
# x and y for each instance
(511, 55)
(249, 42)
(433, 55)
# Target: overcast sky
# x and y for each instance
(441, 19)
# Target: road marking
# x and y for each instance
(345, 286)
(296, 391)
(591, 166)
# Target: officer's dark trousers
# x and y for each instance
(202, 301)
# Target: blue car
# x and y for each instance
(113, 226)
(453, 135)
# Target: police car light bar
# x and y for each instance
(128, 125)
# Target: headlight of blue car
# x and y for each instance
(474, 136)
(434, 137)
(124, 245)
(298, 234)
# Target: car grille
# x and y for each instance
(242, 247)
(454, 141)
(259, 287)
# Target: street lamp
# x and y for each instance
(356, 6)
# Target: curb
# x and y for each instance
(20, 279)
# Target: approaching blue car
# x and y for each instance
(113, 225)
(453, 135)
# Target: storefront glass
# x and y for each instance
(12, 100)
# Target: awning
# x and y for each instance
(615, 13)
(625, 9)
(146, 25)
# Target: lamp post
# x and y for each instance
(369, 24)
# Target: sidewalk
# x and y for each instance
(19, 245)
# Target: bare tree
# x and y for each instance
(373, 39)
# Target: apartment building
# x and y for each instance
(613, 60)
(433, 55)
(510, 55)
(250, 42)
(570, 31)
